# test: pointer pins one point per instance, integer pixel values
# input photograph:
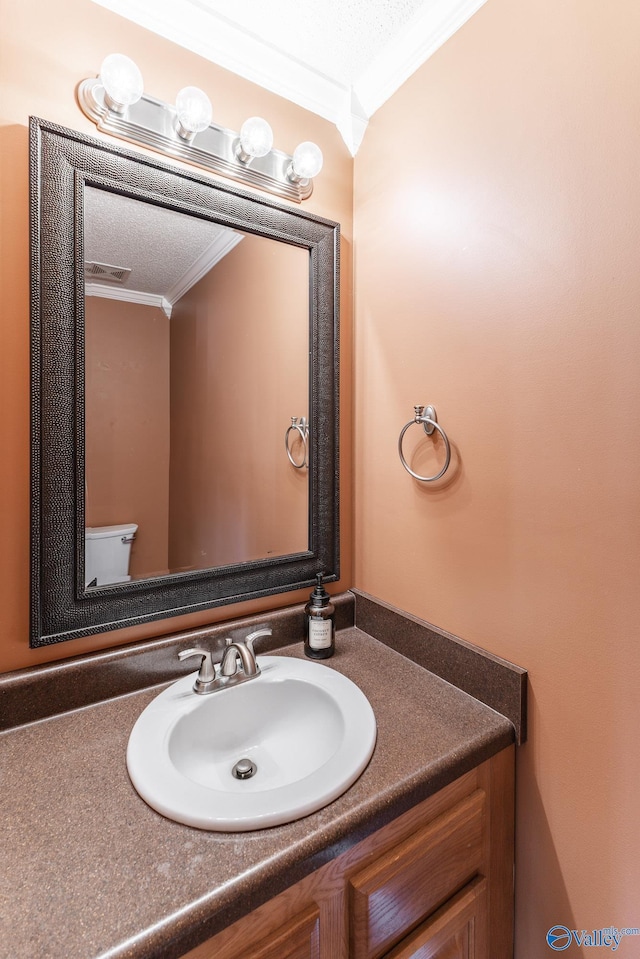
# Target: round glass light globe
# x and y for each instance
(307, 160)
(121, 80)
(256, 137)
(193, 107)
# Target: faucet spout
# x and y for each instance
(248, 662)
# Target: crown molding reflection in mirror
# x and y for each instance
(145, 121)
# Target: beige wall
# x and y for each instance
(45, 51)
(497, 199)
(239, 371)
(497, 202)
(127, 457)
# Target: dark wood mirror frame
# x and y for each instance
(62, 163)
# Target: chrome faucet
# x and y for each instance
(242, 649)
(238, 664)
(229, 665)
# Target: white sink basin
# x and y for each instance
(308, 730)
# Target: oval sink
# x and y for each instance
(305, 731)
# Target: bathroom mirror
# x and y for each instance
(178, 327)
(203, 331)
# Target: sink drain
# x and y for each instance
(244, 769)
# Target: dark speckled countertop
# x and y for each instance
(88, 870)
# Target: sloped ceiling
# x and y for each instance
(341, 59)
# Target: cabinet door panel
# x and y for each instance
(298, 938)
(402, 887)
(456, 931)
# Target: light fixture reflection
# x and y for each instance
(306, 162)
(193, 112)
(122, 82)
(256, 139)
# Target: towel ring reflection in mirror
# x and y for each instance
(426, 415)
(299, 425)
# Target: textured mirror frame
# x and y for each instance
(62, 164)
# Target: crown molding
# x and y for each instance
(221, 245)
(220, 41)
(353, 124)
(350, 107)
(128, 296)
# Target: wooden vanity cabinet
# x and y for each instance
(436, 883)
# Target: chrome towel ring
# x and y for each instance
(298, 425)
(427, 416)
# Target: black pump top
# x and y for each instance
(319, 596)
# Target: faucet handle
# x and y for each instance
(251, 638)
(207, 674)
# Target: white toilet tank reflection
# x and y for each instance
(107, 550)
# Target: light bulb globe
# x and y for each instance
(256, 137)
(122, 81)
(194, 112)
(307, 160)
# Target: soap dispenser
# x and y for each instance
(319, 623)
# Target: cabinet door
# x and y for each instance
(404, 886)
(456, 931)
(298, 938)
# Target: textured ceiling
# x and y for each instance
(338, 38)
(166, 251)
(127, 233)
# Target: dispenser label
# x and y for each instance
(320, 633)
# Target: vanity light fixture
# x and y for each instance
(116, 103)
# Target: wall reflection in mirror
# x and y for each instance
(196, 360)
